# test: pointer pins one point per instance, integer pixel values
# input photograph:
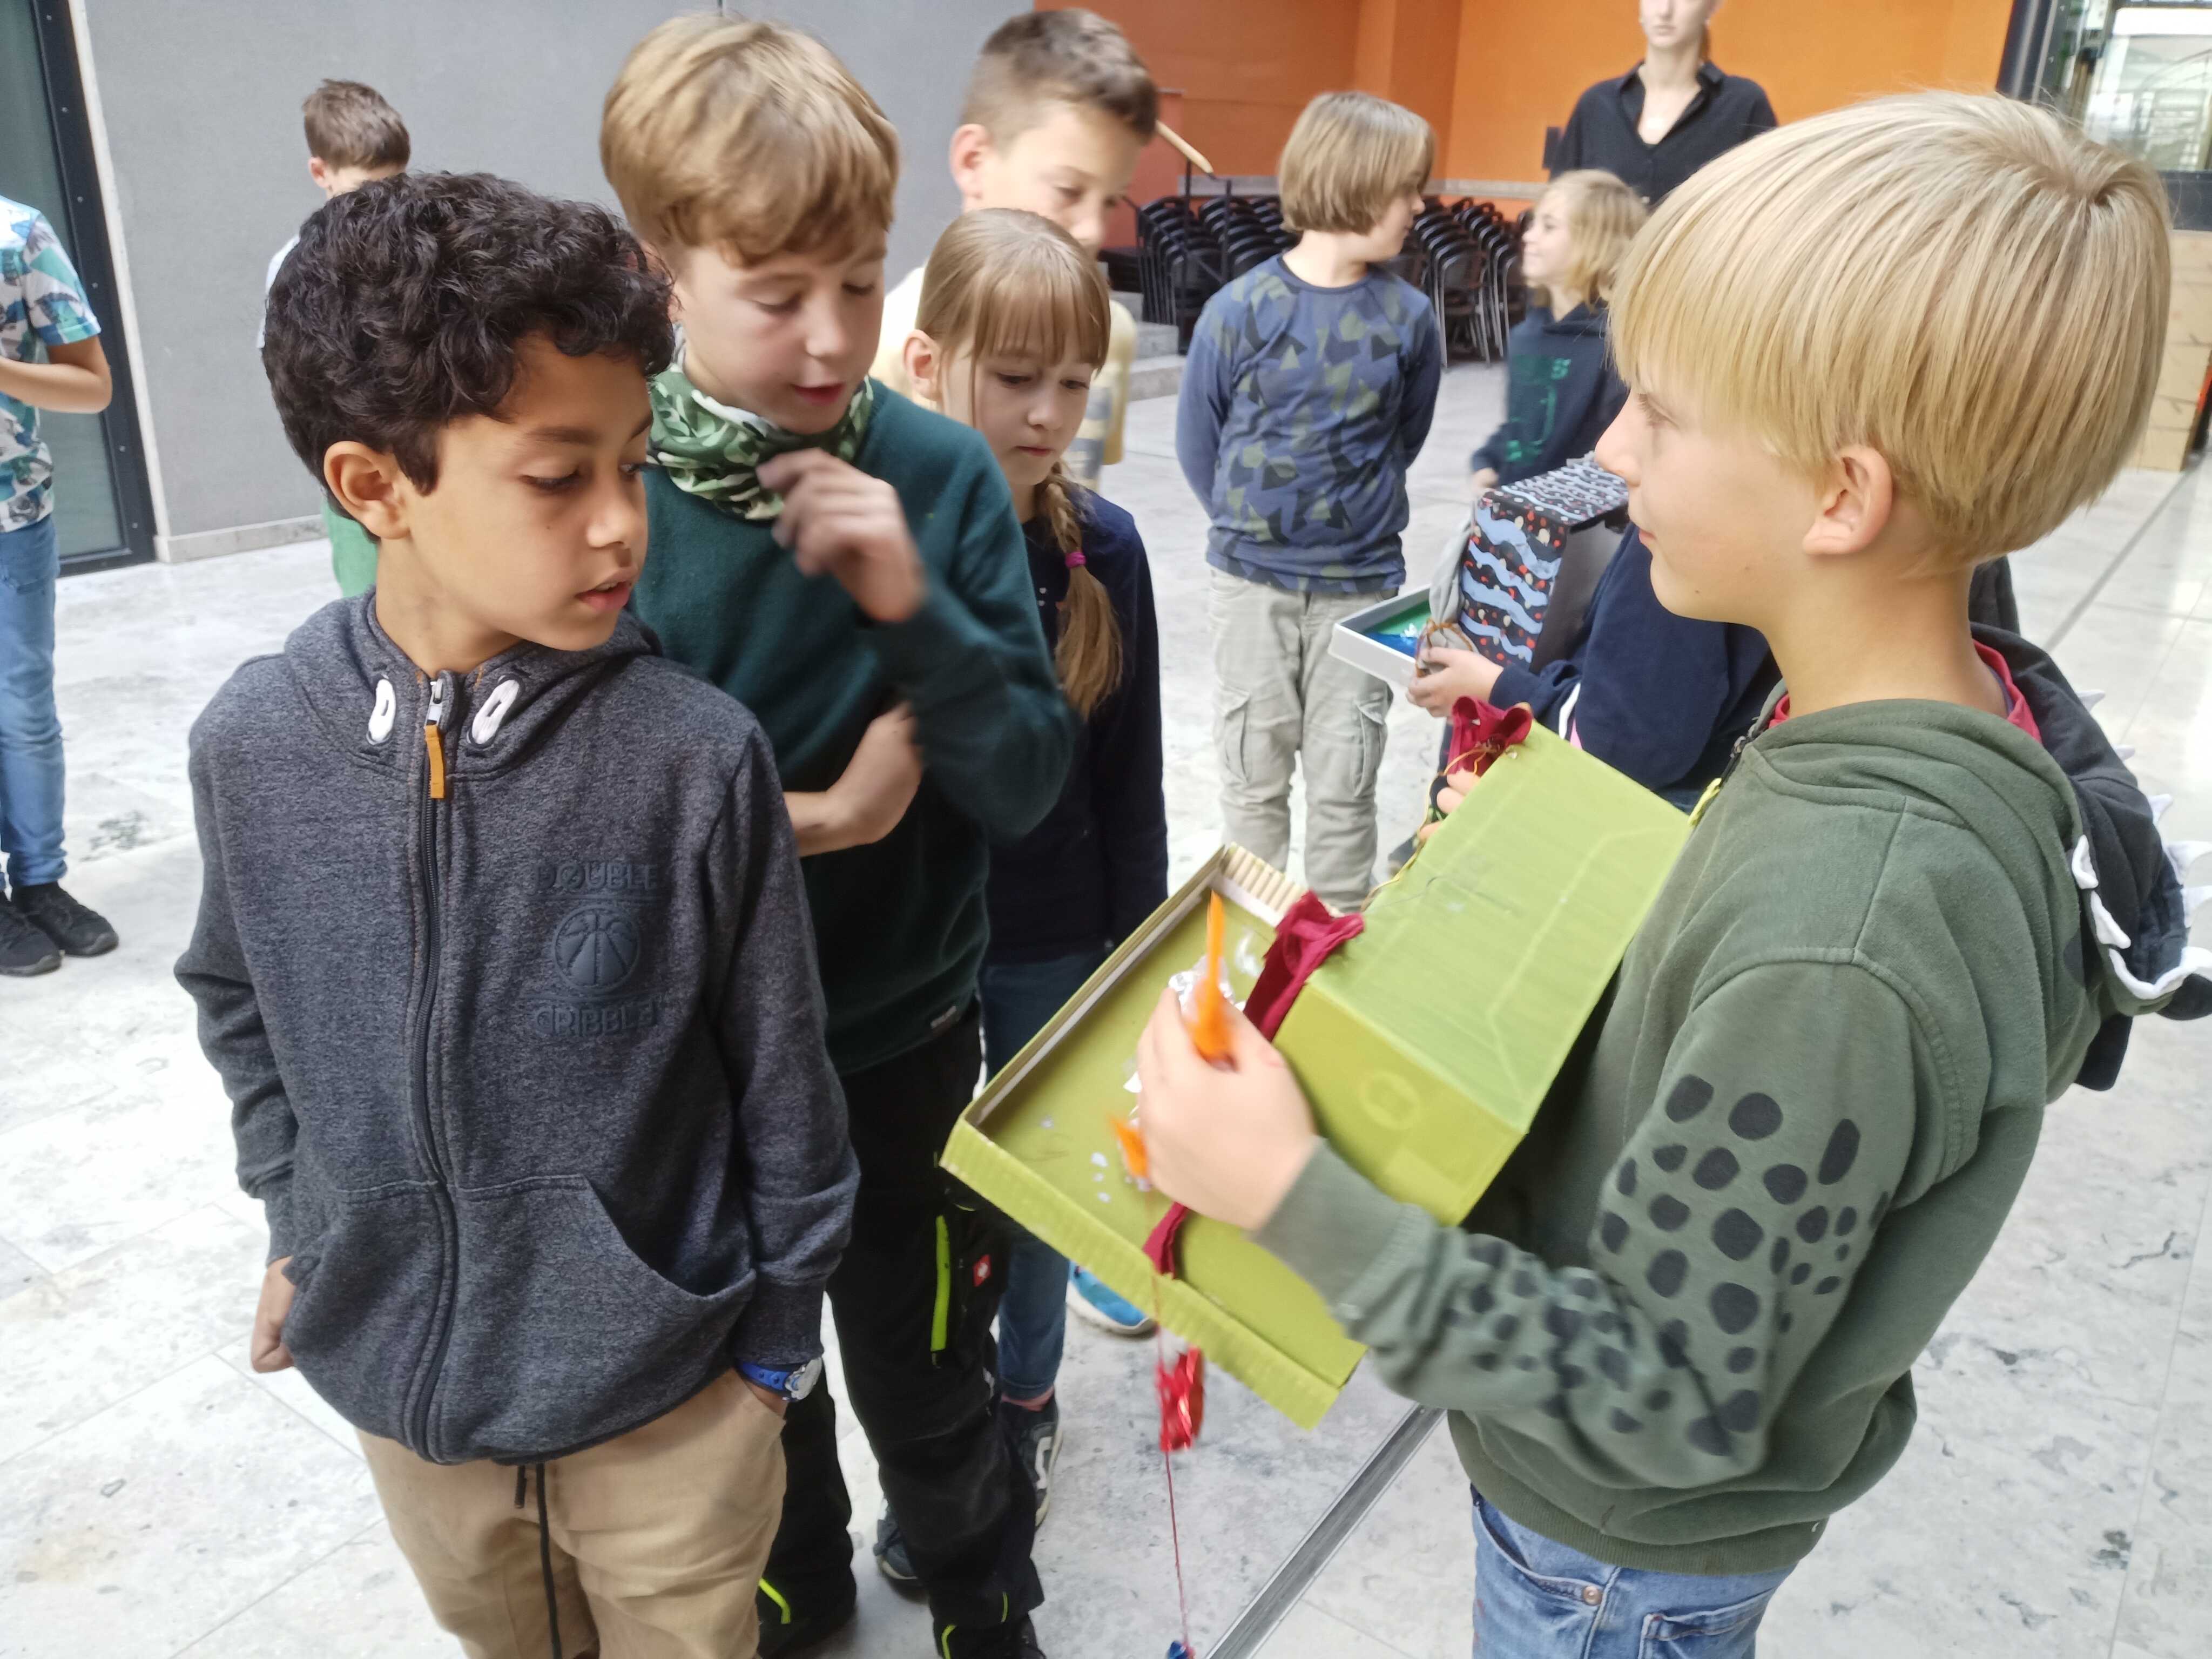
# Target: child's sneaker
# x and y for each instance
(1016, 1640)
(25, 950)
(1035, 1436)
(891, 1558)
(1090, 1297)
(785, 1629)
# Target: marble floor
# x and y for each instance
(158, 1498)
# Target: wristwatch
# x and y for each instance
(792, 1385)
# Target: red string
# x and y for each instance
(1167, 1462)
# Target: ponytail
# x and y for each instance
(1089, 657)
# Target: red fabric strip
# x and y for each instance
(1482, 732)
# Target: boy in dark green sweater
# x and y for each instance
(1867, 352)
(849, 567)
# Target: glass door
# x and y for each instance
(103, 511)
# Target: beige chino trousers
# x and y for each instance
(658, 1536)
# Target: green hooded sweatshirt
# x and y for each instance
(1678, 1333)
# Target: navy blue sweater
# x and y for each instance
(1098, 865)
(1661, 698)
(1561, 394)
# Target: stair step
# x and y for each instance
(1159, 375)
(1153, 339)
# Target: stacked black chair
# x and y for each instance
(1247, 237)
(1183, 264)
(1499, 300)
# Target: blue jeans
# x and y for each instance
(1018, 998)
(1533, 1596)
(30, 731)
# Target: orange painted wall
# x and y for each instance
(1521, 67)
(1492, 74)
(1246, 67)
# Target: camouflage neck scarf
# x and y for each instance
(714, 451)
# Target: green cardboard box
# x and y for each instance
(1425, 1045)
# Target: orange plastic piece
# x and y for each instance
(1133, 1146)
(1210, 1030)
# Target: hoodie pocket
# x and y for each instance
(365, 1298)
(562, 1336)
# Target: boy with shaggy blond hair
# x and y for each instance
(1308, 391)
(1866, 353)
(1057, 110)
(915, 718)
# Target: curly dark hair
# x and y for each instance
(400, 310)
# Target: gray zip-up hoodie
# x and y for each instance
(510, 981)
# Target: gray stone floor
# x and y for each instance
(156, 1498)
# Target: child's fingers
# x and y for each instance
(782, 473)
(1247, 1048)
(1164, 1045)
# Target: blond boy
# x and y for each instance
(1866, 353)
(761, 176)
(1308, 390)
(1057, 110)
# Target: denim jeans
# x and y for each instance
(1018, 997)
(1533, 1596)
(30, 731)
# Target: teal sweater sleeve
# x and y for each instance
(1729, 1234)
(996, 734)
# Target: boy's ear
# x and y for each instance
(925, 369)
(971, 154)
(319, 171)
(367, 483)
(1854, 504)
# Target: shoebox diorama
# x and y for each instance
(1426, 1043)
(1510, 553)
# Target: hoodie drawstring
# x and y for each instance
(545, 1548)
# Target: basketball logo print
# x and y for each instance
(597, 948)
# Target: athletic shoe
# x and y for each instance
(79, 932)
(785, 1629)
(1088, 1297)
(891, 1558)
(1035, 1435)
(1016, 1640)
(24, 949)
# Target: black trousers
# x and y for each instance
(914, 1299)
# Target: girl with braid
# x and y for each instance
(1014, 323)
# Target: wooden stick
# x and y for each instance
(1176, 142)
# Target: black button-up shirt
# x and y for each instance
(1602, 132)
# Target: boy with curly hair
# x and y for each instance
(838, 558)
(503, 957)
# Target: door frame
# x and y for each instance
(85, 236)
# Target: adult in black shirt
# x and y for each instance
(1655, 127)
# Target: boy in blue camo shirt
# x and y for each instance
(42, 305)
(1308, 391)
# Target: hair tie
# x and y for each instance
(1075, 558)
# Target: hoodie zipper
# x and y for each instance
(434, 720)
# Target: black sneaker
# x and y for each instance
(24, 951)
(1016, 1640)
(79, 932)
(891, 1558)
(785, 1629)
(1035, 1435)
